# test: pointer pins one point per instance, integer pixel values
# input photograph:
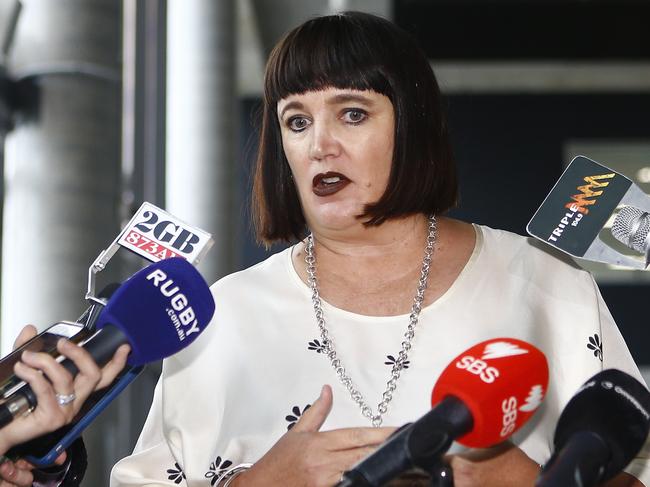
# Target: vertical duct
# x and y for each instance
(62, 159)
(201, 119)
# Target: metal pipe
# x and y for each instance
(201, 121)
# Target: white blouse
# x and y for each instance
(239, 387)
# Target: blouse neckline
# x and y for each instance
(462, 277)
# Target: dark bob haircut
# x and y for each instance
(356, 51)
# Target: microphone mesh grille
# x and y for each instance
(624, 224)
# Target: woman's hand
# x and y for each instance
(306, 457)
(18, 473)
(503, 465)
(506, 465)
(48, 379)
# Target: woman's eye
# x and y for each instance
(355, 116)
(297, 124)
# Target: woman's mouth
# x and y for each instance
(329, 183)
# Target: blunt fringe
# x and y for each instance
(359, 51)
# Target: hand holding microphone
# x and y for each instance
(157, 312)
(59, 397)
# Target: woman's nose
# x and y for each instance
(324, 144)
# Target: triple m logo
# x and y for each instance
(589, 192)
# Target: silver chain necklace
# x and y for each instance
(328, 346)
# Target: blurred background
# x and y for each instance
(105, 104)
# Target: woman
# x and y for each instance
(355, 164)
(59, 398)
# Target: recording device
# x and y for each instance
(44, 450)
(46, 341)
(483, 396)
(43, 342)
(159, 311)
(599, 432)
(579, 206)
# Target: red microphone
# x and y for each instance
(483, 396)
(501, 382)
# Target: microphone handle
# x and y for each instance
(420, 444)
(378, 468)
(434, 433)
(101, 346)
(580, 463)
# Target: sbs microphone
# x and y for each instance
(599, 432)
(158, 311)
(481, 398)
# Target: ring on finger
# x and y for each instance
(64, 399)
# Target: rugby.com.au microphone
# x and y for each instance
(599, 432)
(158, 311)
(580, 205)
(483, 396)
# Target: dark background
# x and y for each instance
(510, 148)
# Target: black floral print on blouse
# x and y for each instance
(217, 469)
(293, 418)
(390, 360)
(316, 345)
(176, 474)
(596, 345)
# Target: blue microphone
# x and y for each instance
(158, 311)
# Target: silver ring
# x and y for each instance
(64, 399)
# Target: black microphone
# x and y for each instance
(599, 432)
(158, 311)
(420, 444)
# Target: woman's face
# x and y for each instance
(339, 144)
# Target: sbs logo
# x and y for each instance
(478, 367)
(493, 350)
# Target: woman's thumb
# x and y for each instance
(314, 417)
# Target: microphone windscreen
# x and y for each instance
(161, 309)
(631, 227)
(501, 381)
(616, 407)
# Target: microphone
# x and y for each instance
(599, 432)
(481, 398)
(580, 205)
(158, 311)
(631, 227)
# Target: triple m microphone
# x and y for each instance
(581, 204)
(607, 422)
